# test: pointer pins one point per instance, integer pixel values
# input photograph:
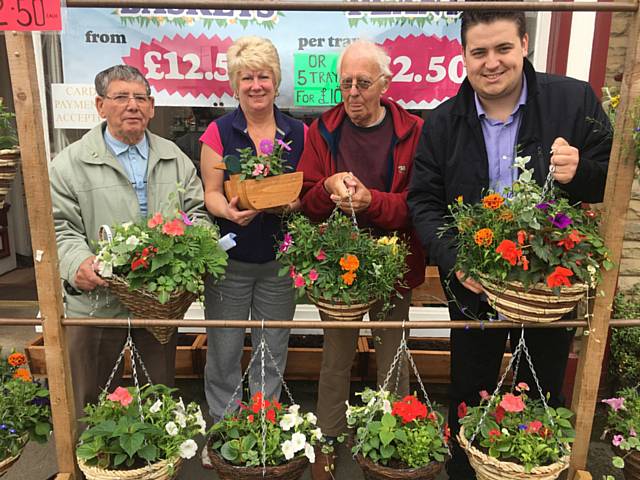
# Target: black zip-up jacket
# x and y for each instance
(451, 159)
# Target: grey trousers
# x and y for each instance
(337, 358)
(247, 289)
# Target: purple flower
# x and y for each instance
(615, 403)
(561, 220)
(617, 440)
(40, 401)
(12, 431)
(544, 206)
(185, 219)
(287, 241)
(522, 426)
(284, 145)
(266, 146)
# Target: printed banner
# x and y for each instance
(182, 52)
(27, 15)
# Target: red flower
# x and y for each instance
(462, 410)
(447, 433)
(508, 250)
(559, 277)
(525, 263)
(121, 395)
(271, 415)
(155, 221)
(409, 408)
(499, 414)
(139, 262)
(250, 418)
(534, 426)
(522, 236)
(511, 403)
(174, 228)
(493, 434)
(571, 240)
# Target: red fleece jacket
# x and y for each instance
(388, 210)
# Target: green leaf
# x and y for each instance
(386, 437)
(131, 443)
(119, 458)
(388, 420)
(148, 452)
(617, 462)
(387, 451)
(43, 428)
(229, 451)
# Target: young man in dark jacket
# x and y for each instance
(468, 145)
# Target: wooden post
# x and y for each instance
(616, 201)
(34, 167)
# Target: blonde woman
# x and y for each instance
(252, 287)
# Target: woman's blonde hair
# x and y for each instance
(253, 53)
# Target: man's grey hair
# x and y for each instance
(370, 50)
(126, 73)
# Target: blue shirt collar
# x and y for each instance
(521, 101)
(118, 147)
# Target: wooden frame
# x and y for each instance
(27, 102)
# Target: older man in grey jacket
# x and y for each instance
(117, 172)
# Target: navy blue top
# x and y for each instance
(257, 242)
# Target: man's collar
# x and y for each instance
(119, 147)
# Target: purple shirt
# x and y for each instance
(500, 139)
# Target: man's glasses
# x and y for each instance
(361, 84)
(125, 99)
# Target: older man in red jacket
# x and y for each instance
(363, 147)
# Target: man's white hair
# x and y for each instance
(370, 50)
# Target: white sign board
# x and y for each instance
(74, 105)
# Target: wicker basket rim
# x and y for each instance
(425, 468)
(536, 286)
(124, 474)
(119, 280)
(217, 459)
(335, 301)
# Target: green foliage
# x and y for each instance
(521, 236)
(163, 255)
(623, 422)
(24, 406)
(257, 167)
(117, 438)
(518, 429)
(288, 434)
(624, 363)
(337, 261)
(401, 433)
(610, 103)
(8, 135)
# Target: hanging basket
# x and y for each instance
(631, 463)
(9, 164)
(490, 468)
(338, 310)
(156, 471)
(375, 471)
(6, 464)
(268, 192)
(143, 304)
(291, 470)
(538, 304)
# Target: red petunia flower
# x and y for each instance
(499, 414)
(559, 277)
(509, 251)
(512, 403)
(462, 410)
(174, 228)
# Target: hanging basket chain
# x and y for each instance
(263, 419)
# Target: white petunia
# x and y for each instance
(294, 409)
(132, 241)
(317, 433)
(171, 428)
(298, 440)
(287, 449)
(180, 418)
(371, 402)
(386, 406)
(105, 269)
(200, 422)
(349, 411)
(126, 225)
(288, 421)
(188, 448)
(311, 418)
(180, 405)
(310, 453)
(155, 408)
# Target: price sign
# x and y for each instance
(27, 15)
(315, 79)
(187, 65)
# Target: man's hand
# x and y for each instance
(360, 195)
(565, 158)
(339, 185)
(86, 277)
(469, 283)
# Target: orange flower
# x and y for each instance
(484, 237)
(506, 215)
(522, 236)
(348, 277)
(525, 263)
(155, 221)
(508, 250)
(559, 277)
(571, 240)
(350, 263)
(492, 201)
(174, 228)
(22, 374)
(16, 359)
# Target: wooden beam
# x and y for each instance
(619, 182)
(582, 475)
(36, 179)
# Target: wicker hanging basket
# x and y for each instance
(490, 468)
(265, 193)
(538, 304)
(375, 471)
(292, 470)
(156, 471)
(338, 310)
(9, 164)
(143, 304)
(6, 464)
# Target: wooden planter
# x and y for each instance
(9, 164)
(265, 193)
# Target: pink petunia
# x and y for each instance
(121, 395)
(299, 281)
(522, 387)
(535, 426)
(617, 440)
(284, 145)
(321, 255)
(185, 219)
(292, 271)
(155, 220)
(174, 228)
(266, 170)
(511, 403)
(484, 395)
(258, 170)
(313, 275)
(266, 146)
(287, 241)
(615, 403)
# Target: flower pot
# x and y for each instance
(156, 471)
(338, 310)
(375, 471)
(143, 304)
(631, 463)
(6, 463)
(490, 468)
(9, 164)
(537, 304)
(265, 193)
(291, 470)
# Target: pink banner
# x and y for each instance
(26, 15)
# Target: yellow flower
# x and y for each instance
(459, 199)
(390, 241)
(615, 101)
(506, 215)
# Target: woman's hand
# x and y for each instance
(241, 217)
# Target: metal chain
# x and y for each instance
(354, 219)
(548, 183)
(263, 419)
(280, 376)
(239, 386)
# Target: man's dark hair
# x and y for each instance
(471, 18)
(126, 73)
